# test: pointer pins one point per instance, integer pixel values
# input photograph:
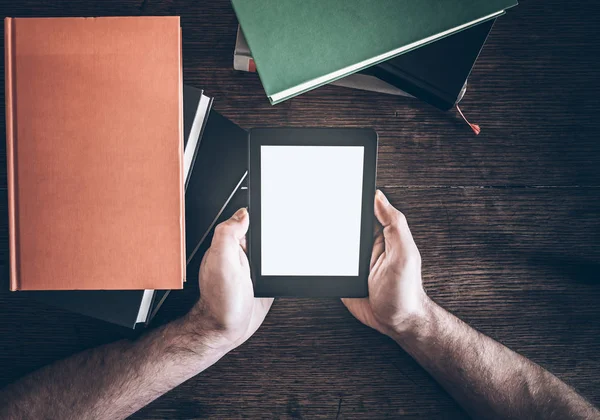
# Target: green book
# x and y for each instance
(299, 45)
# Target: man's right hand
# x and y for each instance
(227, 313)
(396, 296)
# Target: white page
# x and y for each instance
(311, 204)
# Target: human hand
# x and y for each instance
(396, 296)
(227, 310)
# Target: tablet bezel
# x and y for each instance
(312, 286)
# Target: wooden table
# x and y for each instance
(507, 223)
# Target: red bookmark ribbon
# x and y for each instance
(476, 129)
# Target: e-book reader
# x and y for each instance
(312, 193)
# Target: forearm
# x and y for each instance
(485, 377)
(115, 380)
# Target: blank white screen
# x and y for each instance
(311, 204)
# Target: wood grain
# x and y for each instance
(507, 223)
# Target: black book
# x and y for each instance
(131, 307)
(221, 168)
(219, 172)
(437, 72)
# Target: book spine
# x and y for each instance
(10, 98)
(181, 164)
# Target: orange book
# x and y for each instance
(94, 133)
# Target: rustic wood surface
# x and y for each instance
(507, 223)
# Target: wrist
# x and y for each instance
(187, 349)
(416, 323)
(202, 331)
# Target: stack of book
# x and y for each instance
(215, 159)
(117, 173)
(424, 49)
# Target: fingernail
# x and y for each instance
(240, 214)
(382, 197)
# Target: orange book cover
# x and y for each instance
(95, 153)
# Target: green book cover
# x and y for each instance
(299, 45)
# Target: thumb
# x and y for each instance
(393, 222)
(384, 211)
(234, 228)
(396, 233)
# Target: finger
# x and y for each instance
(395, 227)
(261, 309)
(265, 303)
(356, 306)
(378, 249)
(244, 244)
(349, 302)
(388, 217)
(386, 214)
(378, 243)
(377, 228)
(234, 229)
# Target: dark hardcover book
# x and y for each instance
(220, 171)
(122, 307)
(437, 72)
(221, 168)
(131, 307)
(238, 200)
(307, 47)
